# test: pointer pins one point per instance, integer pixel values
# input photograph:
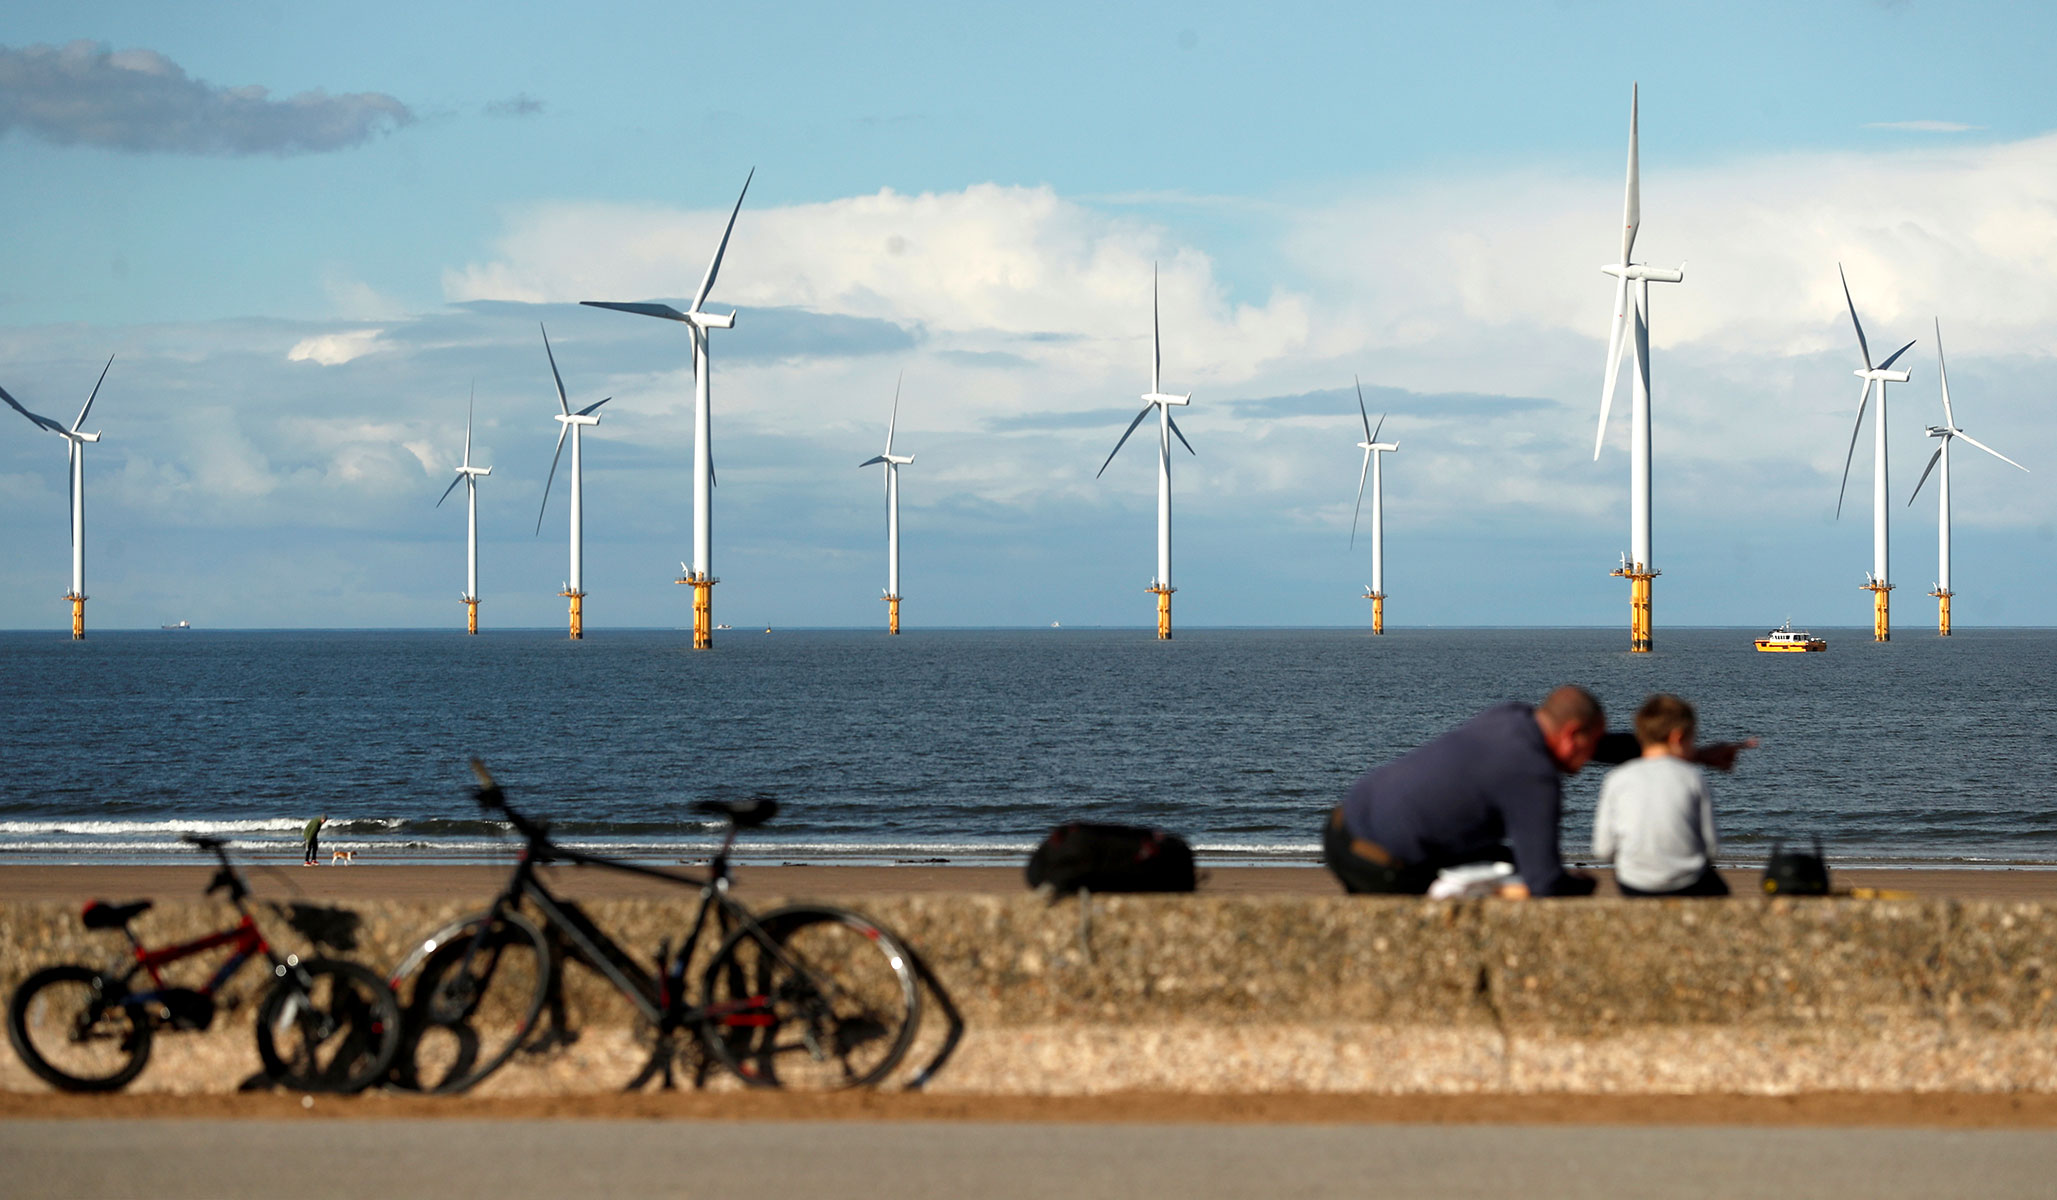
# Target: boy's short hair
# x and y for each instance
(1662, 715)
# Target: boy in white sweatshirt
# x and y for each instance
(1655, 820)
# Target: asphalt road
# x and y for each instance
(457, 1159)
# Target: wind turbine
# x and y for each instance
(570, 422)
(1161, 401)
(1877, 581)
(1372, 448)
(1946, 431)
(469, 476)
(892, 462)
(1639, 566)
(75, 446)
(701, 576)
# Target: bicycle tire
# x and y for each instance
(87, 1012)
(453, 1035)
(822, 999)
(327, 1025)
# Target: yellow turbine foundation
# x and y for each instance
(471, 615)
(1642, 636)
(1163, 595)
(78, 616)
(1881, 611)
(578, 620)
(1378, 612)
(703, 608)
(1942, 611)
(893, 614)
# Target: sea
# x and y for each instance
(966, 746)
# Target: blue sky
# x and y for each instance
(303, 284)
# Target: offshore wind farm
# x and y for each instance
(290, 485)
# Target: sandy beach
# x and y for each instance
(397, 881)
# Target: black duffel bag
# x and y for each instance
(1796, 872)
(1091, 856)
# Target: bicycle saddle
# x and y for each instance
(743, 814)
(203, 841)
(99, 914)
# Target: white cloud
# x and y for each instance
(334, 349)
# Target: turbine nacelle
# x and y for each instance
(1629, 272)
(1881, 375)
(1367, 447)
(1166, 398)
(577, 418)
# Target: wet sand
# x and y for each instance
(399, 881)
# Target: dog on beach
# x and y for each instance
(345, 857)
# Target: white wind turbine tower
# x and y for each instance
(469, 476)
(570, 423)
(1639, 566)
(701, 576)
(75, 446)
(892, 462)
(1946, 431)
(1161, 401)
(1372, 448)
(1878, 580)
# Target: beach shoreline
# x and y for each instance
(28, 882)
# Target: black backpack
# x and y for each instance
(1090, 856)
(1796, 872)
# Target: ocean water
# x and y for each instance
(968, 745)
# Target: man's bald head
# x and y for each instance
(1572, 722)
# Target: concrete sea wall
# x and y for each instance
(1294, 994)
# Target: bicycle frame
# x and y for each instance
(244, 936)
(660, 998)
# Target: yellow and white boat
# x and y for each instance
(1788, 640)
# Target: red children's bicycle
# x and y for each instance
(323, 1024)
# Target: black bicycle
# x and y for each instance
(322, 1025)
(805, 997)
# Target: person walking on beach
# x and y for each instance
(1496, 778)
(312, 836)
(1655, 820)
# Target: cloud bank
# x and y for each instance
(86, 94)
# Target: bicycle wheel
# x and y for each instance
(812, 998)
(469, 996)
(328, 1026)
(70, 1026)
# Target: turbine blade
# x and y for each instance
(45, 422)
(1362, 415)
(1381, 425)
(895, 420)
(589, 409)
(649, 310)
(1943, 372)
(1363, 474)
(1181, 435)
(552, 476)
(1616, 341)
(1995, 453)
(1124, 438)
(446, 491)
(1632, 203)
(1887, 365)
(1862, 345)
(714, 266)
(1862, 398)
(1156, 337)
(469, 409)
(90, 398)
(874, 460)
(1933, 459)
(561, 401)
(711, 480)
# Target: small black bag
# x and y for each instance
(1795, 872)
(1111, 858)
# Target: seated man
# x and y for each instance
(1453, 801)
(1496, 778)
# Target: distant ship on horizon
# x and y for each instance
(180, 625)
